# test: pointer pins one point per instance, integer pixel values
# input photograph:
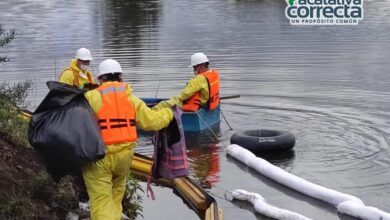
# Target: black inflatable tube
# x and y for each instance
(264, 141)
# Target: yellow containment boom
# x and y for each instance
(199, 200)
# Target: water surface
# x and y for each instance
(328, 85)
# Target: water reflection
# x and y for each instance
(203, 154)
(327, 85)
(128, 28)
(281, 159)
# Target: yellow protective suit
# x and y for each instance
(197, 83)
(106, 179)
(68, 77)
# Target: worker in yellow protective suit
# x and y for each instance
(78, 72)
(201, 91)
(118, 112)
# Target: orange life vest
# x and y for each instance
(76, 77)
(193, 104)
(117, 115)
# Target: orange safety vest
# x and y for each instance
(76, 77)
(117, 115)
(193, 104)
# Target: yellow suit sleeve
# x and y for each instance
(94, 99)
(66, 77)
(149, 120)
(197, 83)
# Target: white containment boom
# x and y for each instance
(346, 204)
(262, 207)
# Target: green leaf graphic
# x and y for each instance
(291, 2)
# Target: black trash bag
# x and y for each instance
(64, 131)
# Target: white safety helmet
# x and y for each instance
(109, 66)
(198, 58)
(83, 54)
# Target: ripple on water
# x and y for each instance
(327, 85)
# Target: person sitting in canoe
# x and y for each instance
(201, 91)
(78, 73)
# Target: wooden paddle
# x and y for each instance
(220, 98)
(229, 97)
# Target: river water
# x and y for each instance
(328, 85)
